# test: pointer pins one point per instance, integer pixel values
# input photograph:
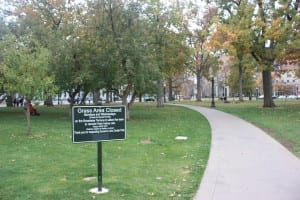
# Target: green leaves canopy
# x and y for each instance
(25, 67)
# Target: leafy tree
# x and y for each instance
(122, 51)
(26, 70)
(272, 28)
(158, 18)
(290, 11)
(168, 41)
(234, 33)
(177, 56)
(204, 51)
(95, 45)
(247, 76)
(270, 31)
(3, 32)
(61, 27)
(42, 20)
(240, 44)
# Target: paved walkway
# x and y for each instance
(245, 163)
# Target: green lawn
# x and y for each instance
(149, 164)
(282, 122)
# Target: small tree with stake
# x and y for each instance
(26, 70)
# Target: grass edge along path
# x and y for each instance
(149, 164)
(282, 122)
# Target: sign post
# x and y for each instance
(99, 148)
(97, 124)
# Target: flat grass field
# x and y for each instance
(149, 164)
(281, 122)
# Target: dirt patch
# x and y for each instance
(146, 141)
(186, 170)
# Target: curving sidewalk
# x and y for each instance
(245, 163)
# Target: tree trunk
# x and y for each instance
(96, 96)
(126, 104)
(9, 101)
(170, 89)
(124, 100)
(28, 121)
(48, 101)
(199, 77)
(107, 96)
(130, 104)
(27, 115)
(160, 100)
(240, 81)
(83, 99)
(72, 96)
(267, 87)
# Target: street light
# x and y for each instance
(212, 92)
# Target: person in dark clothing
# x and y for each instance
(21, 101)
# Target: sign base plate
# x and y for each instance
(95, 190)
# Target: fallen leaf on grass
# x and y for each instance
(89, 178)
(146, 141)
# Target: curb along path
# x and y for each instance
(245, 163)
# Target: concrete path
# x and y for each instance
(245, 163)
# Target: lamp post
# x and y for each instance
(212, 92)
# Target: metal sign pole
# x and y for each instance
(97, 124)
(99, 166)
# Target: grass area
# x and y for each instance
(149, 164)
(282, 122)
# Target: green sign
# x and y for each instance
(98, 123)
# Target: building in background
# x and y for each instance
(285, 80)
